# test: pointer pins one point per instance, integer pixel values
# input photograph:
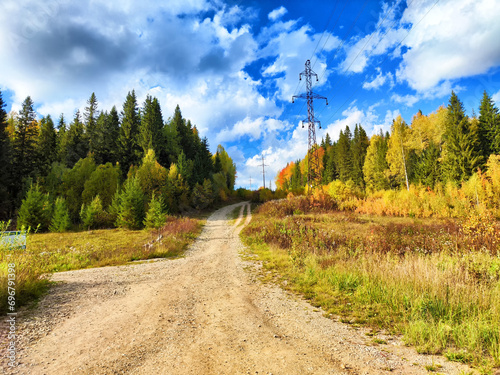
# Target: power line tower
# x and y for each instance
(264, 172)
(313, 172)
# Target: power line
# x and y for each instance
(387, 56)
(340, 45)
(324, 31)
(364, 47)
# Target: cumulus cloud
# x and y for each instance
(251, 127)
(60, 50)
(287, 45)
(449, 40)
(277, 13)
(379, 80)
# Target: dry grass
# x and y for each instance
(435, 281)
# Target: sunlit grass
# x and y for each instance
(420, 278)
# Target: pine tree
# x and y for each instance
(90, 116)
(460, 157)
(129, 149)
(151, 131)
(46, 145)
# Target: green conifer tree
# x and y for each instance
(5, 161)
(60, 218)
(156, 216)
(46, 145)
(460, 157)
(35, 211)
(128, 139)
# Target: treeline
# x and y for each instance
(106, 168)
(443, 147)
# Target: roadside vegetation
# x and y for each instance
(434, 280)
(54, 252)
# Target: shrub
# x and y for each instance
(60, 219)
(35, 210)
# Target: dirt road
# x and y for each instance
(206, 313)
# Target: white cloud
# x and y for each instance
(379, 80)
(455, 39)
(253, 128)
(496, 98)
(408, 100)
(277, 13)
(288, 46)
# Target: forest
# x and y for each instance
(106, 168)
(443, 153)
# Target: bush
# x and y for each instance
(35, 211)
(155, 217)
(60, 219)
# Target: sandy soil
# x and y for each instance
(206, 313)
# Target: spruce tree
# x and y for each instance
(128, 139)
(24, 145)
(5, 161)
(90, 116)
(61, 140)
(488, 122)
(343, 157)
(156, 216)
(359, 146)
(461, 158)
(428, 167)
(35, 211)
(151, 131)
(46, 145)
(60, 218)
(131, 210)
(76, 144)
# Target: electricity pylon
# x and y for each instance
(313, 172)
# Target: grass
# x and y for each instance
(54, 252)
(436, 282)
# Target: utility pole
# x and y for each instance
(313, 172)
(250, 182)
(264, 171)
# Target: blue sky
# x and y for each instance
(233, 66)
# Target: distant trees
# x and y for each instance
(106, 168)
(444, 146)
